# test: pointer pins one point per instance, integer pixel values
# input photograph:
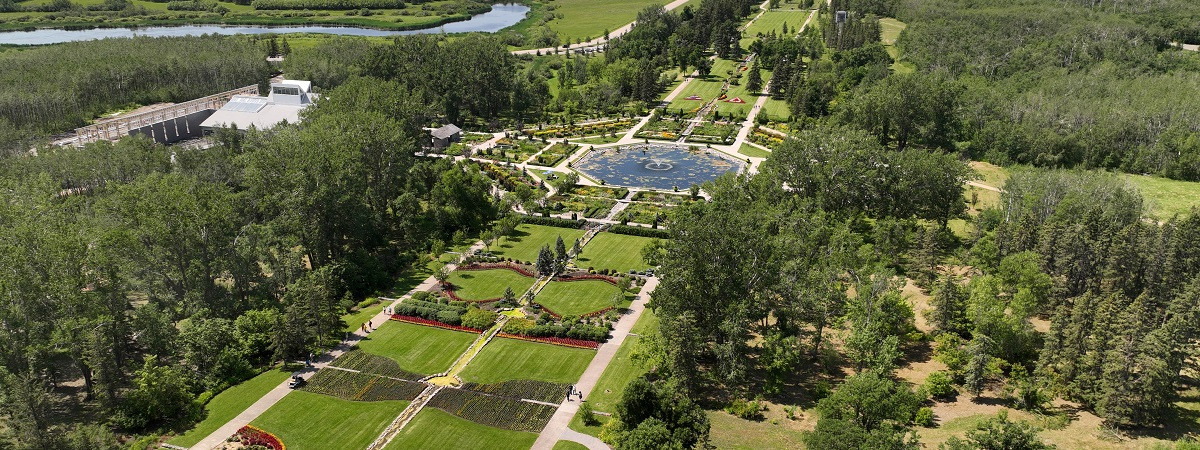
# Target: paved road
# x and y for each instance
(594, 44)
(558, 428)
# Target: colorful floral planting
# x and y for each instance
(373, 364)
(542, 391)
(361, 387)
(249, 436)
(566, 342)
(493, 411)
(432, 323)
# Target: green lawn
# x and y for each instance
(434, 428)
(228, 404)
(488, 284)
(304, 420)
(891, 30)
(588, 19)
(752, 151)
(776, 110)
(773, 21)
(569, 445)
(990, 174)
(355, 319)
(511, 359)
(524, 244)
(1166, 197)
(575, 298)
(416, 348)
(709, 88)
(614, 251)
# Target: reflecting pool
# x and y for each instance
(658, 166)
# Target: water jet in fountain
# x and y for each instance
(659, 164)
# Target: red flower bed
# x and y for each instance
(249, 435)
(566, 342)
(587, 276)
(432, 323)
(510, 266)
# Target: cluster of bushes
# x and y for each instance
(572, 328)
(429, 307)
(640, 231)
(327, 4)
(553, 221)
(196, 5)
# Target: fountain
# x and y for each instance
(659, 164)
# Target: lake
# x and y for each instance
(500, 17)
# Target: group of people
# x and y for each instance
(571, 391)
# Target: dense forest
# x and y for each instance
(52, 89)
(155, 281)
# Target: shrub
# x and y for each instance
(478, 318)
(587, 415)
(940, 385)
(553, 221)
(749, 410)
(640, 231)
(450, 317)
(924, 417)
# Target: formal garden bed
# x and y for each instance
(361, 387)
(487, 285)
(541, 391)
(372, 364)
(614, 193)
(662, 197)
(589, 207)
(766, 138)
(510, 177)
(662, 128)
(648, 213)
(511, 150)
(555, 154)
(580, 298)
(493, 410)
(463, 147)
(714, 133)
(249, 436)
(589, 129)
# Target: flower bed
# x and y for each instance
(566, 342)
(493, 411)
(373, 364)
(432, 323)
(356, 386)
(249, 435)
(542, 391)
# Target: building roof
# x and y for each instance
(446, 131)
(243, 111)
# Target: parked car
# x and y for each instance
(296, 382)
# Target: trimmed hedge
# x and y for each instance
(327, 4)
(446, 313)
(553, 221)
(640, 231)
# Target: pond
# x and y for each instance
(657, 166)
(500, 17)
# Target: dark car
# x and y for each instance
(296, 382)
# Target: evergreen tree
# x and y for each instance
(560, 250)
(285, 49)
(949, 302)
(754, 79)
(545, 261)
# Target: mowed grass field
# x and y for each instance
(1166, 197)
(891, 29)
(417, 348)
(511, 359)
(773, 21)
(574, 298)
(355, 319)
(588, 19)
(229, 403)
(618, 252)
(752, 151)
(524, 244)
(304, 420)
(488, 284)
(437, 429)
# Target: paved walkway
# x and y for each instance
(558, 428)
(275, 395)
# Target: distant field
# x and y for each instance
(304, 420)
(433, 428)
(488, 284)
(420, 349)
(228, 404)
(1166, 197)
(614, 251)
(588, 19)
(528, 239)
(510, 359)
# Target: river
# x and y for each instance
(500, 17)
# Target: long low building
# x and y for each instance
(283, 104)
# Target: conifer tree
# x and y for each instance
(949, 314)
(754, 79)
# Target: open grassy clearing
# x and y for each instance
(589, 19)
(417, 348)
(228, 404)
(524, 244)
(614, 251)
(488, 284)
(891, 29)
(1166, 197)
(990, 174)
(303, 420)
(510, 359)
(773, 20)
(575, 298)
(731, 432)
(433, 428)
